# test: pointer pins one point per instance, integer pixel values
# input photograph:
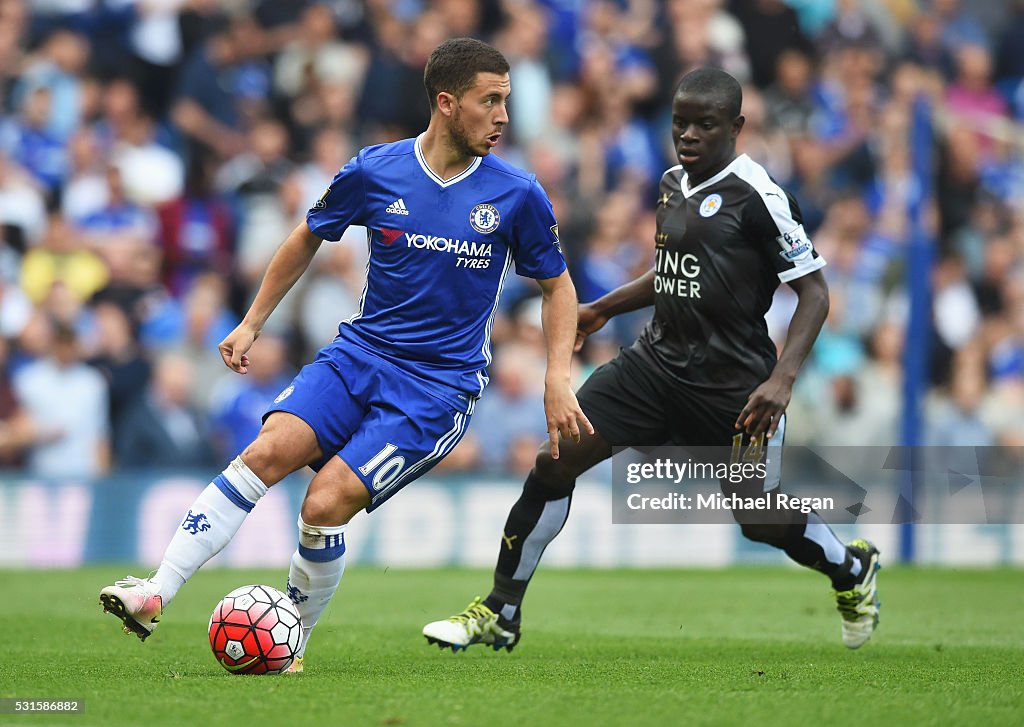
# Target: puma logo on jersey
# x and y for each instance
(397, 207)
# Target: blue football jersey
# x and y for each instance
(439, 252)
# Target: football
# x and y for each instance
(255, 630)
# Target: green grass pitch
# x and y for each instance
(742, 646)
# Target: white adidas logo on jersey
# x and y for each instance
(397, 207)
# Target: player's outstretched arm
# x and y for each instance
(558, 316)
(768, 401)
(289, 262)
(635, 294)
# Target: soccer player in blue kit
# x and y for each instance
(393, 393)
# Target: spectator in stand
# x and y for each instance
(32, 145)
(156, 44)
(770, 27)
(852, 25)
(214, 97)
(162, 428)
(973, 99)
(314, 61)
(119, 223)
(924, 46)
(67, 404)
(62, 258)
(86, 188)
(255, 180)
(611, 251)
(958, 421)
(789, 104)
(151, 173)
(196, 230)
(193, 328)
(959, 27)
(396, 63)
(115, 353)
(57, 67)
(120, 110)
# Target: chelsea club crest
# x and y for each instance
(484, 218)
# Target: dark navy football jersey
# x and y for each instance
(439, 251)
(722, 248)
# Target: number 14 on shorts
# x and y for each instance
(753, 452)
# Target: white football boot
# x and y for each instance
(859, 606)
(136, 602)
(476, 625)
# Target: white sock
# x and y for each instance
(316, 570)
(210, 524)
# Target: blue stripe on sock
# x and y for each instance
(232, 494)
(322, 555)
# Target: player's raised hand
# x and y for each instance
(565, 417)
(765, 407)
(588, 321)
(234, 347)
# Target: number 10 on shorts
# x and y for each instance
(387, 472)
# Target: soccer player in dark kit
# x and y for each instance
(703, 372)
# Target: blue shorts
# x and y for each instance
(386, 426)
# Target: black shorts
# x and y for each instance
(632, 404)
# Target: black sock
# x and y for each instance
(850, 573)
(537, 517)
(814, 545)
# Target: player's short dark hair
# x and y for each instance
(453, 66)
(717, 86)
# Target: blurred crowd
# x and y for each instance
(154, 153)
